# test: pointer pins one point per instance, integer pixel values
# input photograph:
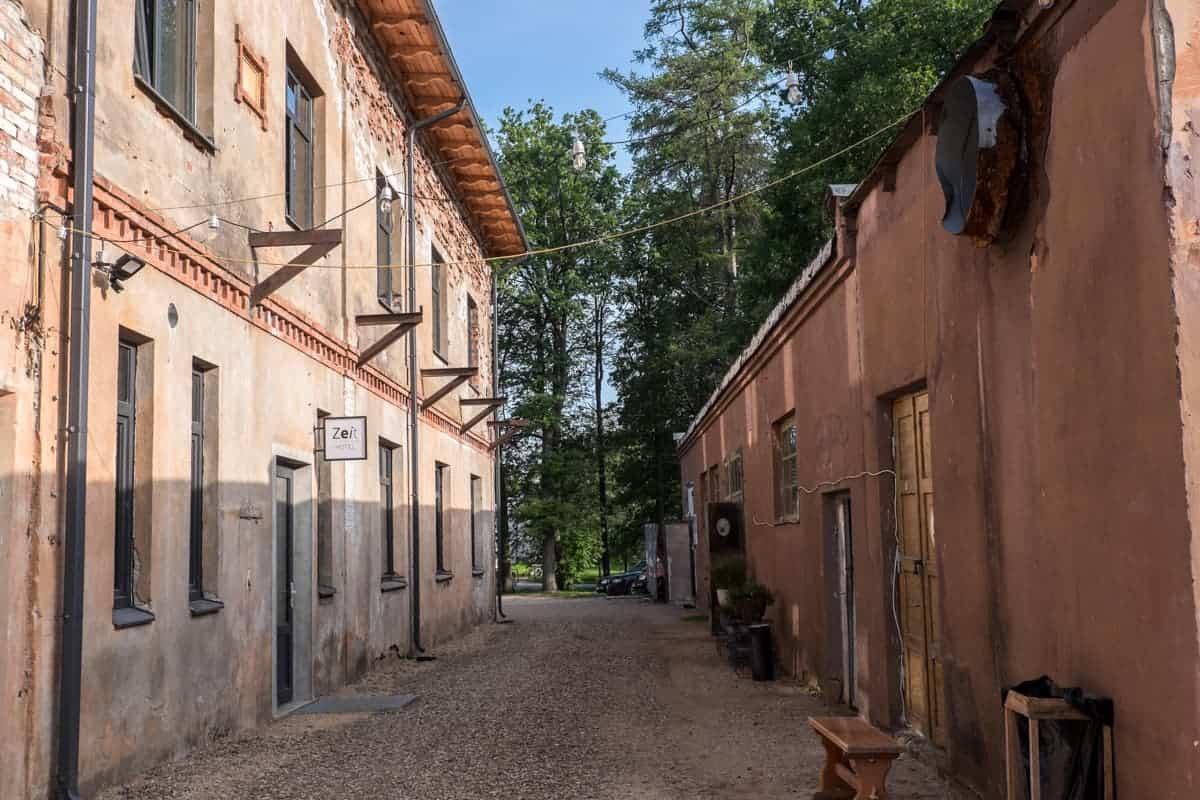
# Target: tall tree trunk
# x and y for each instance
(601, 454)
(549, 562)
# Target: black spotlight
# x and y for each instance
(122, 270)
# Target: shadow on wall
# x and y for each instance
(189, 638)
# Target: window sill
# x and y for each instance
(204, 607)
(131, 617)
(190, 131)
(392, 583)
(443, 577)
(478, 573)
(325, 591)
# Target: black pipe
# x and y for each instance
(83, 91)
(498, 464)
(414, 407)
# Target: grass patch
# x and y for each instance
(694, 618)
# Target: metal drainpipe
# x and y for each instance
(83, 89)
(414, 408)
(497, 469)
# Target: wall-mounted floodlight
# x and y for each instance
(121, 270)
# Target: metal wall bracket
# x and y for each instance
(403, 323)
(457, 376)
(505, 429)
(489, 404)
(319, 243)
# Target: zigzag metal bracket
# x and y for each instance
(319, 243)
(403, 323)
(489, 405)
(457, 376)
(505, 430)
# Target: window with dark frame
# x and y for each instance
(385, 287)
(476, 488)
(387, 506)
(439, 522)
(298, 156)
(787, 490)
(165, 51)
(124, 475)
(733, 479)
(472, 333)
(196, 518)
(438, 304)
(325, 587)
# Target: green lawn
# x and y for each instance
(559, 595)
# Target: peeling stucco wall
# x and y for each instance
(1175, 28)
(158, 691)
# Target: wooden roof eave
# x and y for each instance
(424, 69)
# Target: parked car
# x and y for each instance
(621, 582)
(639, 584)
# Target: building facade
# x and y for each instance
(1033, 381)
(252, 156)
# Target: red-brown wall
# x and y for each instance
(1050, 360)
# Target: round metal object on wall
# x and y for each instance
(172, 315)
(978, 155)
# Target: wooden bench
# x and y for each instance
(857, 758)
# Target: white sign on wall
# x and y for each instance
(345, 438)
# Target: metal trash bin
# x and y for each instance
(762, 656)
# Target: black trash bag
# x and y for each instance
(1072, 751)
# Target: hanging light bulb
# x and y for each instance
(214, 222)
(578, 154)
(793, 86)
(385, 199)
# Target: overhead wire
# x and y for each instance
(544, 251)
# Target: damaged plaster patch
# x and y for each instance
(1164, 62)
(359, 138)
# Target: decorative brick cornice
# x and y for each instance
(120, 216)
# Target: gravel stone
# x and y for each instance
(579, 698)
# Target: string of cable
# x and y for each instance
(212, 204)
(544, 251)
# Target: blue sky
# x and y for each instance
(513, 51)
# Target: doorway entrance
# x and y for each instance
(844, 544)
(920, 602)
(285, 583)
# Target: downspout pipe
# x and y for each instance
(83, 91)
(497, 455)
(414, 370)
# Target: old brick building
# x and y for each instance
(232, 572)
(1033, 380)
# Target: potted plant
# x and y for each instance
(728, 574)
(750, 602)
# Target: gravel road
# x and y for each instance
(580, 698)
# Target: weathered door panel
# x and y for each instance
(920, 605)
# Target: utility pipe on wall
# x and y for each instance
(414, 369)
(83, 92)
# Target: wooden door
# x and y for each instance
(920, 603)
(845, 553)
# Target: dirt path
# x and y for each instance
(592, 698)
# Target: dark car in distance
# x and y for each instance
(621, 582)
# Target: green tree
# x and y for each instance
(861, 66)
(547, 330)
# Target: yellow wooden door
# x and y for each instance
(920, 604)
